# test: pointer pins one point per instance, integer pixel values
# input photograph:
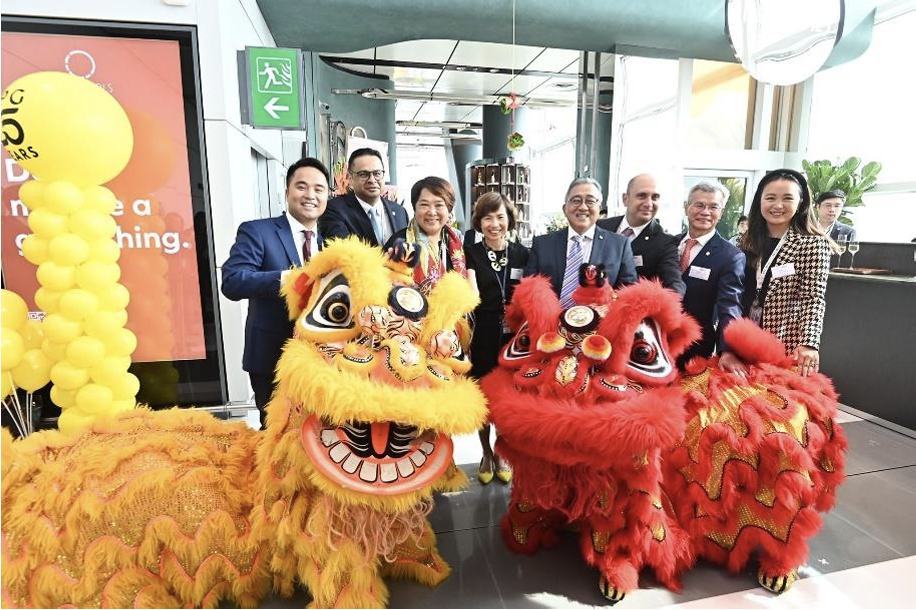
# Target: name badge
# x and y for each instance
(515, 273)
(637, 260)
(784, 270)
(701, 273)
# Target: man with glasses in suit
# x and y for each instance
(713, 271)
(559, 254)
(364, 212)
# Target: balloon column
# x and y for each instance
(73, 136)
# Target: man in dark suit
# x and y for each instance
(364, 212)
(829, 206)
(654, 250)
(263, 252)
(558, 255)
(713, 271)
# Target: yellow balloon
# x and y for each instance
(11, 348)
(63, 197)
(30, 194)
(123, 404)
(109, 369)
(60, 329)
(102, 324)
(121, 342)
(104, 251)
(13, 310)
(35, 249)
(54, 351)
(56, 277)
(96, 277)
(61, 397)
(125, 386)
(100, 199)
(68, 128)
(73, 421)
(68, 249)
(69, 376)
(6, 385)
(92, 225)
(48, 300)
(32, 334)
(114, 298)
(78, 304)
(33, 373)
(85, 351)
(46, 223)
(93, 398)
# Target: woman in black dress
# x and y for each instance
(496, 265)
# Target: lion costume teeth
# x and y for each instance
(176, 509)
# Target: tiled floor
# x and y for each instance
(863, 557)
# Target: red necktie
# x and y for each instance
(307, 246)
(628, 233)
(685, 256)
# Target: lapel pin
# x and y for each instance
(707, 254)
(646, 238)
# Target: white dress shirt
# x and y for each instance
(636, 230)
(299, 237)
(384, 224)
(702, 240)
(585, 241)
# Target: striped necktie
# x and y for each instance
(685, 255)
(571, 276)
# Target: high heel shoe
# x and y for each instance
(485, 470)
(503, 470)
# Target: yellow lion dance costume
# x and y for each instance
(175, 508)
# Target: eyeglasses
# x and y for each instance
(590, 202)
(364, 174)
(712, 207)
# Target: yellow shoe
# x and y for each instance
(485, 476)
(503, 471)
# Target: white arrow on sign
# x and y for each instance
(271, 107)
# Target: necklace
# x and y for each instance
(498, 263)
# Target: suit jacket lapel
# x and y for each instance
(391, 210)
(597, 252)
(362, 219)
(285, 233)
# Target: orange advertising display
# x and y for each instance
(154, 212)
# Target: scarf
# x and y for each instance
(431, 267)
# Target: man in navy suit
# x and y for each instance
(263, 252)
(713, 271)
(829, 206)
(654, 250)
(364, 212)
(582, 242)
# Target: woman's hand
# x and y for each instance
(730, 363)
(807, 360)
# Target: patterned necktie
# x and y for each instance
(628, 233)
(685, 255)
(307, 246)
(571, 276)
(374, 219)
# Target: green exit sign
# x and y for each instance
(274, 79)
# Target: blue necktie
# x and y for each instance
(374, 219)
(571, 276)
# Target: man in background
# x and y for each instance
(713, 272)
(654, 250)
(264, 250)
(559, 254)
(742, 229)
(829, 206)
(364, 212)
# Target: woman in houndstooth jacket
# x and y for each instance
(788, 259)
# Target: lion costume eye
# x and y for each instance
(647, 356)
(332, 310)
(520, 345)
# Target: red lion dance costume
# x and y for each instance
(650, 467)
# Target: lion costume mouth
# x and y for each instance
(383, 458)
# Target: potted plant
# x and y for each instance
(824, 176)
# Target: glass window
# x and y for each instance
(721, 105)
(886, 217)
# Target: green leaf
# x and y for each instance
(851, 164)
